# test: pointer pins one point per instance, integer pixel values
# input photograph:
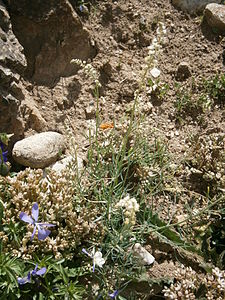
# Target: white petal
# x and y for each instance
(98, 260)
(155, 72)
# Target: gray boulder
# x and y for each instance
(12, 66)
(183, 71)
(193, 6)
(39, 150)
(52, 34)
(38, 39)
(215, 16)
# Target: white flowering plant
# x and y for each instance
(129, 207)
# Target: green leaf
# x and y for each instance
(171, 235)
(1, 211)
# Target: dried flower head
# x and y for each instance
(130, 207)
(55, 196)
(188, 284)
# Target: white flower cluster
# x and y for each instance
(188, 283)
(220, 276)
(183, 289)
(130, 207)
(151, 59)
(215, 284)
(88, 69)
(155, 48)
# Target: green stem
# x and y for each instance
(96, 94)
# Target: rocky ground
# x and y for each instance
(45, 94)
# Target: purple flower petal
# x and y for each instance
(35, 227)
(114, 294)
(42, 233)
(34, 270)
(24, 280)
(4, 155)
(45, 224)
(85, 252)
(93, 269)
(24, 217)
(41, 271)
(33, 273)
(35, 211)
(29, 276)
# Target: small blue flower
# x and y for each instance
(81, 8)
(24, 280)
(114, 294)
(4, 154)
(42, 232)
(33, 272)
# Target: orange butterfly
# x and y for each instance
(104, 126)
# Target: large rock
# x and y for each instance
(193, 6)
(11, 54)
(39, 150)
(38, 39)
(12, 66)
(52, 34)
(183, 71)
(215, 16)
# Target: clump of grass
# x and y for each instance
(196, 99)
(214, 87)
(186, 104)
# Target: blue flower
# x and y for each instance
(42, 232)
(114, 294)
(81, 8)
(4, 154)
(34, 272)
